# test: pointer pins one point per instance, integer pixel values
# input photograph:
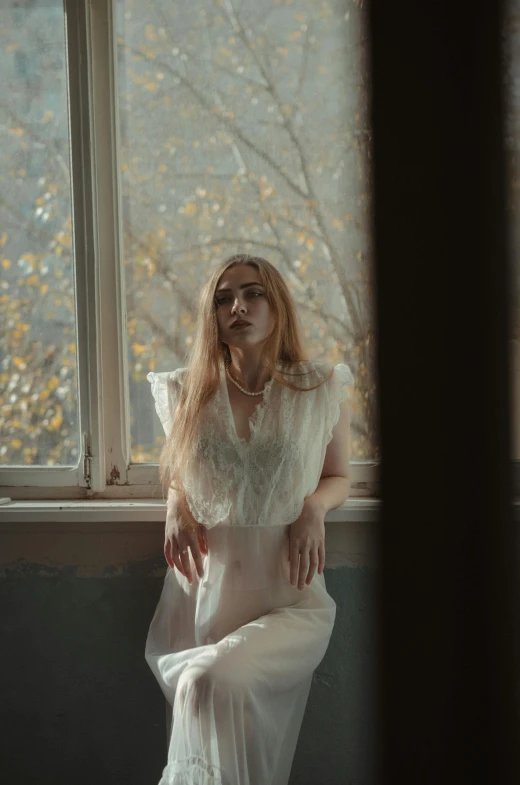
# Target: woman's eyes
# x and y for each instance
(221, 300)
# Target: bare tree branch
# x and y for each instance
(314, 203)
(227, 122)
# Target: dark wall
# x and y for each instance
(79, 703)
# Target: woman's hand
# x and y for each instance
(183, 532)
(307, 543)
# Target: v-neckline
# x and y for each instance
(253, 420)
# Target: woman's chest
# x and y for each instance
(255, 430)
(243, 409)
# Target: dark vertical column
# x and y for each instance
(448, 586)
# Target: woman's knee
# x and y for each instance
(201, 686)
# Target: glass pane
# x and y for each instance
(244, 127)
(38, 385)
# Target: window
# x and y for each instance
(39, 412)
(225, 127)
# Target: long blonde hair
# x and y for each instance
(284, 346)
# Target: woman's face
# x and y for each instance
(240, 295)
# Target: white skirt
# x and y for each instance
(234, 654)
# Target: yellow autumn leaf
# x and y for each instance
(190, 208)
(72, 348)
(32, 280)
(19, 362)
(16, 131)
(3, 239)
(138, 348)
(296, 34)
(6, 263)
(56, 421)
(16, 443)
(44, 288)
(309, 242)
(225, 52)
(151, 87)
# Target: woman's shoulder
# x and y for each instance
(313, 371)
(165, 377)
(306, 373)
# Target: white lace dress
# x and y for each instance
(234, 653)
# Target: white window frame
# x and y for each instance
(104, 470)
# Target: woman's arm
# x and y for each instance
(307, 534)
(334, 486)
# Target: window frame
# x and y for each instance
(104, 469)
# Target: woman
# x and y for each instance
(256, 454)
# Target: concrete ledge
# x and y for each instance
(76, 511)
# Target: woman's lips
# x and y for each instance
(241, 326)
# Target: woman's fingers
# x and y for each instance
(185, 559)
(175, 556)
(304, 563)
(168, 552)
(299, 558)
(304, 567)
(197, 558)
(202, 540)
(181, 554)
(313, 563)
(321, 558)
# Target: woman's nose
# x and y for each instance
(238, 306)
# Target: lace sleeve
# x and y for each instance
(341, 379)
(165, 390)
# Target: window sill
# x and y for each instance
(360, 509)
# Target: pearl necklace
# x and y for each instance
(246, 392)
